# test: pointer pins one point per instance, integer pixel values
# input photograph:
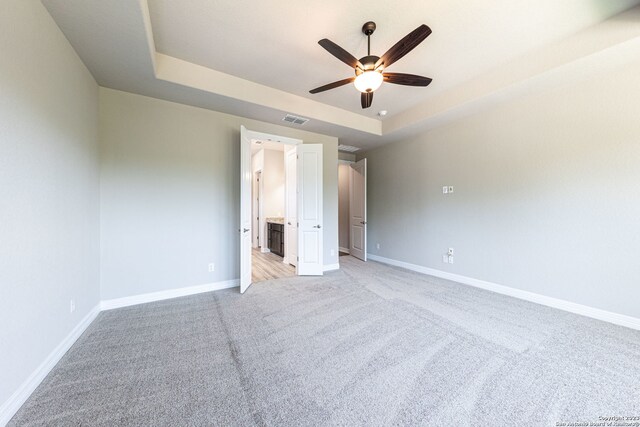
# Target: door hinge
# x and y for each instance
(297, 258)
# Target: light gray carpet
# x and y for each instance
(366, 345)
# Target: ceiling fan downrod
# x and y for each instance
(368, 28)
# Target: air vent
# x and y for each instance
(348, 148)
(290, 118)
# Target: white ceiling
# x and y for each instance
(479, 52)
(275, 42)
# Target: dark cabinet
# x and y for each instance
(275, 238)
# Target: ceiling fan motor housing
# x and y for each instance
(369, 63)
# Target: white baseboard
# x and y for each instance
(344, 250)
(168, 294)
(331, 267)
(17, 399)
(265, 250)
(572, 307)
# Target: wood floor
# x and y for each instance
(267, 266)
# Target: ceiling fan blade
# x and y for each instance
(404, 46)
(366, 98)
(332, 85)
(406, 79)
(341, 54)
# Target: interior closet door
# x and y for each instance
(358, 209)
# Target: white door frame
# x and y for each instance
(256, 208)
(340, 248)
(253, 135)
(262, 224)
(358, 223)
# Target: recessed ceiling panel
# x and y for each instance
(275, 43)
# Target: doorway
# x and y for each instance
(352, 208)
(293, 230)
(271, 254)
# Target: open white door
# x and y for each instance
(358, 209)
(291, 219)
(245, 210)
(309, 171)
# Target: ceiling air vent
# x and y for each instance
(290, 118)
(349, 148)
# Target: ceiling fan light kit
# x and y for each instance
(368, 81)
(370, 69)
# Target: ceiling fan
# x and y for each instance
(370, 69)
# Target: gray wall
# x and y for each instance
(170, 193)
(546, 197)
(49, 248)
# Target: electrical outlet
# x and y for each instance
(450, 251)
(451, 189)
(377, 245)
(445, 189)
(450, 259)
(212, 267)
(72, 306)
(445, 259)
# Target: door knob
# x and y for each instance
(317, 226)
(288, 223)
(245, 230)
(363, 222)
